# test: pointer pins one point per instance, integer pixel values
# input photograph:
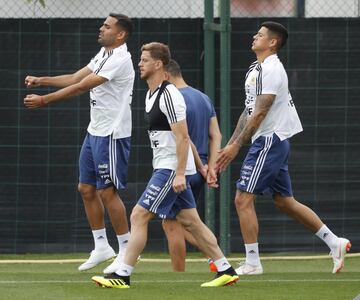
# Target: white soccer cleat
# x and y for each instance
(115, 265)
(338, 254)
(97, 256)
(246, 269)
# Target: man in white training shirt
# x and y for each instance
(269, 120)
(105, 151)
(168, 192)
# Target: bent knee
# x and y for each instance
(86, 189)
(140, 215)
(189, 224)
(170, 225)
(244, 200)
(284, 203)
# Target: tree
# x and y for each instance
(42, 2)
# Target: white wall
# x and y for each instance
(332, 8)
(171, 8)
(101, 8)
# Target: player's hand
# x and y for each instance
(34, 101)
(204, 171)
(226, 155)
(32, 81)
(211, 178)
(179, 183)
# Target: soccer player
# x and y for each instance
(168, 192)
(204, 132)
(105, 151)
(269, 120)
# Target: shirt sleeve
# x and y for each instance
(91, 64)
(268, 81)
(172, 104)
(111, 66)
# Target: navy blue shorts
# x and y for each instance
(160, 198)
(103, 161)
(265, 168)
(197, 183)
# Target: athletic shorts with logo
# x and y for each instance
(103, 161)
(265, 168)
(160, 198)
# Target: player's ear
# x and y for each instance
(158, 64)
(274, 44)
(121, 35)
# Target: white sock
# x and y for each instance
(123, 240)
(222, 264)
(252, 254)
(100, 238)
(124, 270)
(327, 236)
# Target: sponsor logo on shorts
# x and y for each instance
(248, 167)
(156, 188)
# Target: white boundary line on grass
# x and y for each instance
(166, 260)
(176, 281)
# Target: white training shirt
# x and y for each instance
(163, 143)
(270, 77)
(110, 102)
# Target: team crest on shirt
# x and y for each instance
(253, 79)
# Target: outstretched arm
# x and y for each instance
(60, 81)
(89, 82)
(242, 136)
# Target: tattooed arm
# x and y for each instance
(245, 129)
(262, 107)
(239, 126)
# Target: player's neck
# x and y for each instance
(155, 80)
(109, 48)
(263, 55)
(179, 82)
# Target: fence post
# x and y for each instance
(225, 40)
(209, 86)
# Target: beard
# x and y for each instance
(144, 76)
(105, 42)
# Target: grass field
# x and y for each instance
(283, 279)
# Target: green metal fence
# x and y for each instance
(57, 37)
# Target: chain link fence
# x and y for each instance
(41, 210)
(176, 8)
(295, 8)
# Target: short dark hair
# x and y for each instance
(173, 68)
(124, 22)
(158, 51)
(279, 30)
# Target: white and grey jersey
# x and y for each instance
(163, 107)
(270, 77)
(110, 102)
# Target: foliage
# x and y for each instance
(42, 2)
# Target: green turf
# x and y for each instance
(304, 279)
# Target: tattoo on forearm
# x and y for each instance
(239, 126)
(244, 131)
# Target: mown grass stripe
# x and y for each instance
(167, 260)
